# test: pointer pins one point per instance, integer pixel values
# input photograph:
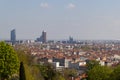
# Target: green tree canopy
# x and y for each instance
(69, 73)
(92, 63)
(115, 74)
(99, 73)
(47, 71)
(9, 63)
(32, 71)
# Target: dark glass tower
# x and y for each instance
(44, 37)
(13, 36)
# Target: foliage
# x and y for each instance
(70, 73)
(29, 75)
(115, 74)
(24, 57)
(91, 64)
(22, 72)
(58, 76)
(47, 71)
(35, 71)
(99, 73)
(31, 71)
(9, 63)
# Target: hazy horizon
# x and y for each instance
(81, 19)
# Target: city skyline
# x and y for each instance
(81, 19)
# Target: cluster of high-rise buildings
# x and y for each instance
(42, 38)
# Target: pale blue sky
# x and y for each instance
(82, 19)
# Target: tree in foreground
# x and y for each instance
(47, 71)
(99, 73)
(22, 72)
(70, 73)
(92, 63)
(32, 72)
(115, 74)
(9, 63)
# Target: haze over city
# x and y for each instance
(81, 19)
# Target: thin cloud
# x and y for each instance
(71, 6)
(44, 5)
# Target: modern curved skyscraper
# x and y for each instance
(13, 36)
(44, 37)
